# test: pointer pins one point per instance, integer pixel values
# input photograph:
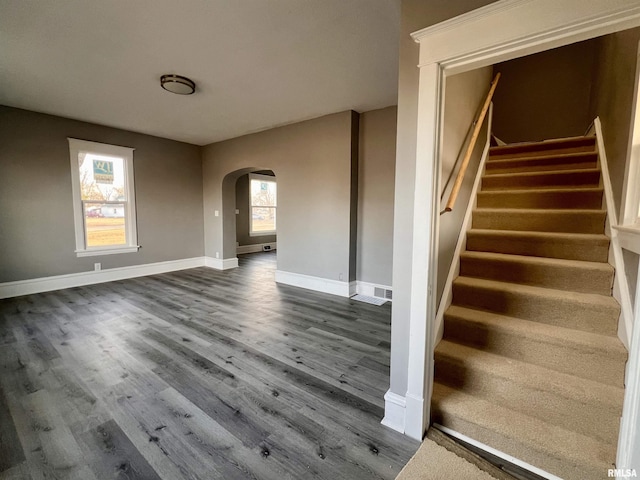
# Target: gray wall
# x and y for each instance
(312, 161)
(375, 196)
(545, 95)
(242, 218)
(36, 214)
(415, 14)
(464, 95)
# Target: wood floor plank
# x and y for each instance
(11, 453)
(114, 456)
(196, 374)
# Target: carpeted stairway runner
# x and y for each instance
(530, 363)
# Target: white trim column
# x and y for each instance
(425, 239)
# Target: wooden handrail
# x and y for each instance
(472, 143)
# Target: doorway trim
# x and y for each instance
(483, 37)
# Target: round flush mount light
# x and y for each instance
(177, 84)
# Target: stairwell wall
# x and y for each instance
(612, 100)
(464, 96)
(545, 95)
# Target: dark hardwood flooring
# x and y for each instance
(198, 374)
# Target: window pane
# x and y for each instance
(104, 224)
(263, 193)
(101, 177)
(263, 219)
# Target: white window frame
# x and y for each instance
(264, 178)
(103, 149)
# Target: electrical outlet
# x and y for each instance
(216, 213)
(237, 212)
(340, 277)
(217, 254)
(97, 267)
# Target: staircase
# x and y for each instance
(530, 363)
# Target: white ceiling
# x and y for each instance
(257, 63)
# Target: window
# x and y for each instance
(262, 205)
(103, 198)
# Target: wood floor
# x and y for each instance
(198, 374)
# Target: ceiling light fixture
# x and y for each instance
(177, 84)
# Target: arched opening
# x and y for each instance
(249, 204)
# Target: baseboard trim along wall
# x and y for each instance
(369, 289)
(221, 263)
(325, 285)
(394, 411)
(258, 247)
(58, 282)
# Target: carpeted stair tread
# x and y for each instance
(547, 147)
(541, 220)
(571, 275)
(596, 357)
(581, 311)
(584, 406)
(557, 198)
(544, 179)
(565, 453)
(570, 246)
(557, 161)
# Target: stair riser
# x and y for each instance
(560, 277)
(514, 447)
(550, 199)
(536, 164)
(571, 358)
(564, 312)
(570, 250)
(545, 405)
(544, 148)
(498, 169)
(564, 222)
(542, 180)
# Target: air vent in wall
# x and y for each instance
(382, 293)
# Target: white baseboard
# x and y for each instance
(394, 411)
(58, 282)
(240, 249)
(318, 284)
(221, 263)
(369, 289)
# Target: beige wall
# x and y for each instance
(36, 209)
(312, 161)
(464, 95)
(612, 99)
(242, 217)
(415, 14)
(375, 196)
(545, 95)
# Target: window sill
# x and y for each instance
(107, 251)
(629, 237)
(262, 234)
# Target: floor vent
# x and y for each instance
(382, 293)
(368, 299)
